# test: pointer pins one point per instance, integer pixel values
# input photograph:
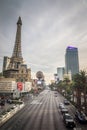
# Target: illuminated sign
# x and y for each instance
(71, 48)
(19, 86)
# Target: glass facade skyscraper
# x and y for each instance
(60, 73)
(71, 60)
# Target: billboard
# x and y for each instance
(39, 82)
(19, 86)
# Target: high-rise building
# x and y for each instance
(13, 67)
(71, 60)
(56, 78)
(60, 73)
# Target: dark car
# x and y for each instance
(9, 101)
(81, 117)
(68, 120)
(2, 102)
(66, 102)
(55, 95)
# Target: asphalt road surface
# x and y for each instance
(42, 113)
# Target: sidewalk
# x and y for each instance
(7, 115)
(6, 107)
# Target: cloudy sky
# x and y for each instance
(49, 26)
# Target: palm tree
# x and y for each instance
(72, 90)
(66, 82)
(84, 87)
(80, 81)
(77, 87)
(60, 86)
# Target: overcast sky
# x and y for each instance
(49, 26)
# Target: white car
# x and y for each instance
(61, 105)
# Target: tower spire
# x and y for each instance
(19, 21)
(16, 58)
(17, 53)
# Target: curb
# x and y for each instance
(8, 115)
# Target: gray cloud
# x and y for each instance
(49, 26)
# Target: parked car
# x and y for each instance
(55, 95)
(61, 105)
(81, 117)
(66, 102)
(55, 92)
(9, 101)
(68, 120)
(2, 102)
(64, 110)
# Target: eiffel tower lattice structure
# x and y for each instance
(13, 67)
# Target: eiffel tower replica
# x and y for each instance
(13, 67)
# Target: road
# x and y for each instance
(42, 113)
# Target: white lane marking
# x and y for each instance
(36, 102)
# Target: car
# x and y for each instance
(55, 92)
(81, 117)
(61, 105)
(66, 102)
(9, 101)
(68, 120)
(64, 110)
(13, 107)
(55, 95)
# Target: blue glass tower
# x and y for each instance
(71, 60)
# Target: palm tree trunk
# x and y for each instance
(78, 96)
(85, 102)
